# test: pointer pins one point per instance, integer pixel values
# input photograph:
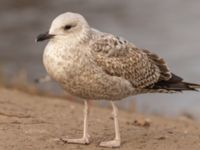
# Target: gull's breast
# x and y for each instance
(76, 72)
(60, 62)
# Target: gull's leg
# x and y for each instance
(117, 141)
(85, 138)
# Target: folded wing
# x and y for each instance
(118, 57)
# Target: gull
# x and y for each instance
(94, 65)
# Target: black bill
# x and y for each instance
(44, 36)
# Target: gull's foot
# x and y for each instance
(83, 140)
(111, 144)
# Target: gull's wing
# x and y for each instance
(118, 57)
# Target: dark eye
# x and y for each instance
(67, 27)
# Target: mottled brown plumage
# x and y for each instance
(146, 71)
(120, 58)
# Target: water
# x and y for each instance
(169, 28)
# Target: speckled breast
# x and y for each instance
(60, 64)
(76, 72)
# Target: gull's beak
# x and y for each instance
(44, 36)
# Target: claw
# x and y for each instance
(84, 140)
(111, 144)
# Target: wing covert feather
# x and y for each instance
(118, 57)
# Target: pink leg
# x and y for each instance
(117, 141)
(85, 138)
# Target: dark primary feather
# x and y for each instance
(175, 83)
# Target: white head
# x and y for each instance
(65, 26)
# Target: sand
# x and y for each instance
(31, 122)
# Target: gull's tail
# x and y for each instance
(191, 86)
(175, 84)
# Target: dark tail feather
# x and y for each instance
(181, 86)
(176, 84)
(192, 86)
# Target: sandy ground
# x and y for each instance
(34, 123)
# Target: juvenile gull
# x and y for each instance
(94, 65)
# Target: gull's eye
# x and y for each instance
(67, 27)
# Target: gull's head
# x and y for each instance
(67, 25)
